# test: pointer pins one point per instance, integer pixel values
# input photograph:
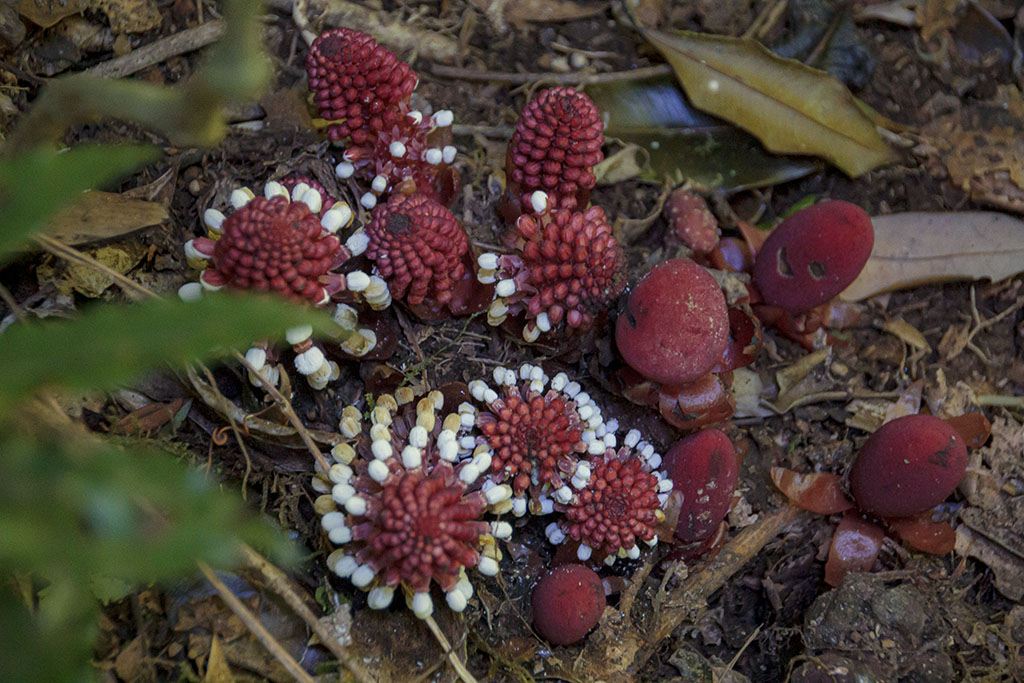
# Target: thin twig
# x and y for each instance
(289, 412)
(456, 663)
(237, 432)
(130, 287)
(548, 77)
(160, 50)
(255, 627)
(280, 584)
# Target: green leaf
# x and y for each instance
(790, 107)
(35, 185)
(110, 345)
(77, 510)
(681, 143)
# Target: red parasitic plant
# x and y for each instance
(539, 429)
(363, 90)
(285, 242)
(704, 472)
(567, 602)
(691, 221)
(903, 471)
(681, 343)
(618, 505)
(567, 269)
(556, 143)
(423, 253)
(406, 505)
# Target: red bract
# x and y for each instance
(567, 602)
(619, 505)
(703, 469)
(537, 432)
(419, 248)
(356, 83)
(909, 465)
(569, 267)
(556, 143)
(813, 255)
(274, 245)
(406, 507)
(676, 325)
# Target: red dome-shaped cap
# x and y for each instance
(703, 469)
(813, 255)
(676, 324)
(567, 602)
(908, 466)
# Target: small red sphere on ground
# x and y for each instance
(908, 466)
(567, 602)
(676, 324)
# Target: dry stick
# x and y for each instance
(289, 412)
(547, 77)
(456, 663)
(160, 50)
(255, 627)
(280, 584)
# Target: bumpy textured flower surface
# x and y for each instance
(357, 82)
(556, 143)
(568, 267)
(406, 504)
(538, 429)
(620, 505)
(418, 246)
(275, 244)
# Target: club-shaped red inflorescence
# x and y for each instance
(407, 507)
(534, 436)
(357, 83)
(619, 506)
(419, 247)
(569, 267)
(556, 143)
(274, 245)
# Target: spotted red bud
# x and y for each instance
(813, 255)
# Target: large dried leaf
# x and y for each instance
(917, 248)
(790, 107)
(102, 215)
(670, 139)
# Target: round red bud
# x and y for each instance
(813, 255)
(567, 602)
(703, 469)
(676, 324)
(908, 466)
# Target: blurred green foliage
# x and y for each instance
(78, 511)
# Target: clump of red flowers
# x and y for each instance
(362, 89)
(618, 503)
(406, 504)
(556, 144)
(567, 268)
(539, 429)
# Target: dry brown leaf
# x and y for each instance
(919, 248)
(46, 13)
(102, 215)
(129, 16)
(907, 333)
(217, 669)
(526, 11)
(790, 107)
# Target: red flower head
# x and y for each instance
(538, 433)
(357, 83)
(406, 505)
(569, 267)
(272, 244)
(619, 505)
(554, 148)
(418, 247)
